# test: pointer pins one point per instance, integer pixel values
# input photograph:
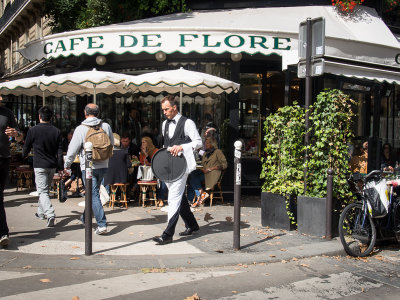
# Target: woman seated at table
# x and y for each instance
(147, 152)
(388, 158)
(118, 164)
(213, 162)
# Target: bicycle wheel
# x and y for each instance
(357, 231)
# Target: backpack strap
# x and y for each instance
(94, 126)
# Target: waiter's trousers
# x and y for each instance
(178, 205)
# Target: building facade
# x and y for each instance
(253, 43)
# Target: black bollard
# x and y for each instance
(329, 193)
(237, 195)
(88, 198)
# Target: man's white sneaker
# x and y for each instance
(101, 230)
(4, 240)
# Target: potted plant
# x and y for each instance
(282, 166)
(331, 117)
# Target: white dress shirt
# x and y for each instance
(190, 131)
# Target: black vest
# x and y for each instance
(179, 136)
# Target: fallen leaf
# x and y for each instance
(229, 219)
(283, 261)
(193, 297)
(294, 259)
(267, 274)
(27, 267)
(45, 280)
(219, 251)
(305, 265)
(75, 298)
(189, 262)
(271, 255)
(74, 258)
(362, 290)
(379, 257)
(283, 249)
(153, 270)
(234, 292)
(75, 247)
(206, 241)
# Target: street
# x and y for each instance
(320, 277)
(49, 263)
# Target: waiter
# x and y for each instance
(180, 135)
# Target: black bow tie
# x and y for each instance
(170, 121)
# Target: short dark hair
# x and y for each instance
(45, 113)
(171, 99)
(92, 109)
(125, 135)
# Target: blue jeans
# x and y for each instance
(162, 191)
(98, 211)
(43, 180)
(194, 184)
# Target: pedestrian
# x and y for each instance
(99, 167)
(46, 141)
(180, 135)
(8, 129)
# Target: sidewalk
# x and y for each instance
(128, 243)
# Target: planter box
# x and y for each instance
(311, 216)
(273, 211)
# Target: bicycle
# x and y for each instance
(358, 230)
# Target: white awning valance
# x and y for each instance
(361, 72)
(361, 36)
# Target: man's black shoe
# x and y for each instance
(188, 231)
(162, 240)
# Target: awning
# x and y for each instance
(361, 36)
(361, 72)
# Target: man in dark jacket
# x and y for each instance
(47, 148)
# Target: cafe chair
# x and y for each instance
(55, 186)
(148, 191)
(217, 185)
(25, 178)
(113, 197)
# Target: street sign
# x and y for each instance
(317, 68)
(318, 38)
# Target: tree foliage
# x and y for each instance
(66, 15)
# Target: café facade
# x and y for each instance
(256, 47)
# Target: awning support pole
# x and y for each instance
(180, 99)
(94, 94)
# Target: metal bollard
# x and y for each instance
(329, 196)
(88, 197)
(237, 195)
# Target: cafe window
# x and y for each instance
(249, 112)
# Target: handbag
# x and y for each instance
(377, 196)
(104, 196)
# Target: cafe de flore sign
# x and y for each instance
(66, 44)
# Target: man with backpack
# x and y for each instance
(100, 135)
